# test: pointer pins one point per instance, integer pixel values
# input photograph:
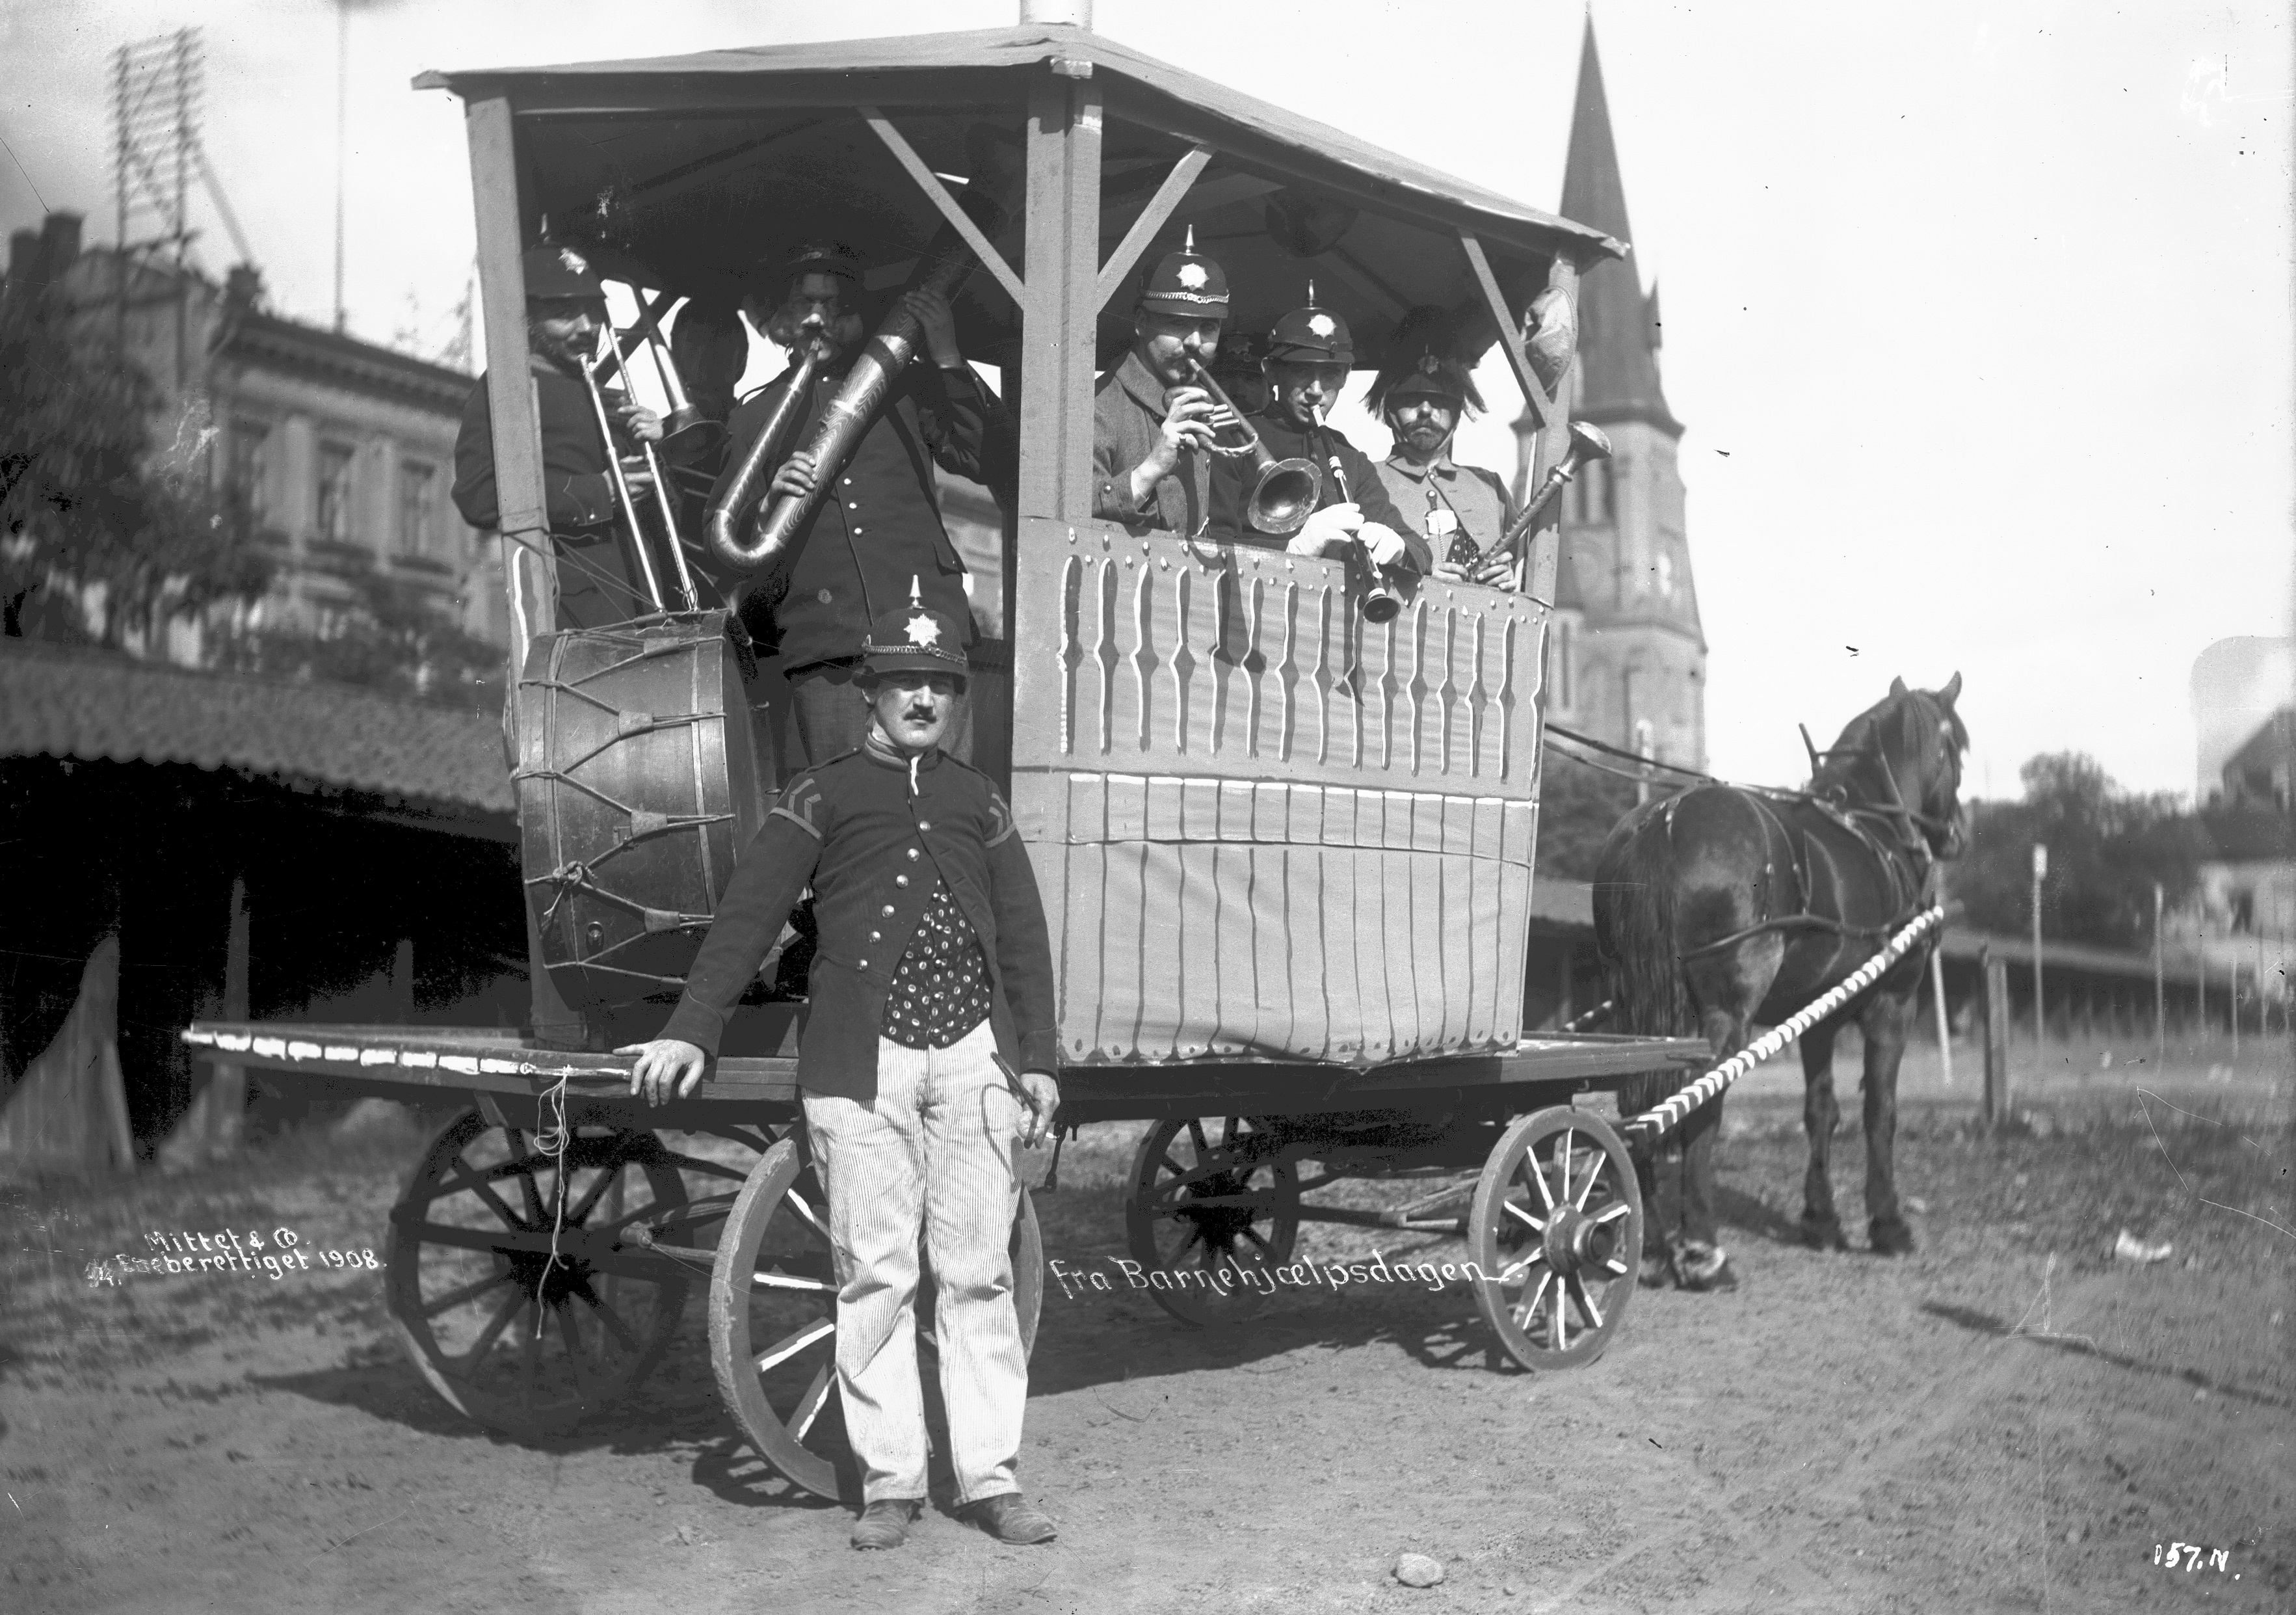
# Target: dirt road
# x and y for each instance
(2009, 1420)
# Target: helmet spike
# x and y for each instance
(1191, 245)
(916, 595)
(1311, 292)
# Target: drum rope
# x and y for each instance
(553, 1141)
(1655, 1123)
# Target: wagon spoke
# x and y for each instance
(485, 1191)
(620, 1331)
(767, 1280)
(1537, 1224)
(1594, 1176)
(1585, 1299)
(806, 1213)
(1537, 1254)
(1561, 1312)
(1611, 1213)
(1562, 1159)
(824, 1382)
(462, 1293)
(1196, 1132)
(1538, 1181)
(607, 1179)
(526, 1164)
(1529, 1310)
(1173, 1166)
(577, 1357)
(510, 1308)
(1252, 1233)
(795, 1341)
(1616, 1267)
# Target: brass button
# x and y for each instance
(900, 880)
(856, 527)
(924, 824)
(914, 854)
(849, 482)
(865, 964)
(852, 505)
(824, 597)
(876, 937)
(887, 910)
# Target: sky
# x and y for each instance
(1978, 312)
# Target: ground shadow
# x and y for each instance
(2081, 1346)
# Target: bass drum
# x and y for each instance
(638, 786)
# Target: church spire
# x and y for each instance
(1617, 343)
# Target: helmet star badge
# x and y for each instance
(923, 630)
(573, 261)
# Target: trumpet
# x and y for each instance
(620, 483)
(1285, 492)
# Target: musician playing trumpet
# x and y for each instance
(1423, 392)
(853, 558)
(1153, 429)
(1309, 355)
(565, 315)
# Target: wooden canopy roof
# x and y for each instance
(702, 167)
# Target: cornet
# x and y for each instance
(1285, 492)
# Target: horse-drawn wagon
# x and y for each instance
(1286, 850)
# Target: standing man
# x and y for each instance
(855, 555)
(1422, 392)
(1152, 425)
(1309, 354)
(565, 311)
(934, 976)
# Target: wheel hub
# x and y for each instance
(1571, 1240)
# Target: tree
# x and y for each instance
(2107, 848)
(1578, 806)
(394, 637)
(85, 512)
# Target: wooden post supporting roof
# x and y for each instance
(1543, 545)
(939, 195)
(1510, 329)
(1168, 195)
(530, 565)
(1061, 313)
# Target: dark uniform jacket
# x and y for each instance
(1232, 480)
(852, 559)
(1477, 498)
(869, 834)
(594, 584)
(1128, 422)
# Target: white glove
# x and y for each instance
(1384, 543)
(1329, 529)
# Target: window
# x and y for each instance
(334, 523)
(250, 442)
(418, 505)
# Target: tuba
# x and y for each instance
(947, 263)
(741, 491)
(1284, 492)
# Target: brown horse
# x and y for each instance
(1719, 908)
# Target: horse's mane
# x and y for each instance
(1865, 739)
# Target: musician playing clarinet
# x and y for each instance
(565, 312)
(1309, 354)
(853, 558)
(1422, 392)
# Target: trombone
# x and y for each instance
(1285, 493)
(653, 467)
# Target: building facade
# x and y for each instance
(343, 450)
(1629, 657)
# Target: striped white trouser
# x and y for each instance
(933, 1152)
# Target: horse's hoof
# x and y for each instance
(1704, 1267)
(1824, 1235)
(1657, 1270)
(1891, 1237)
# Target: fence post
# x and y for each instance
(2159, 997)
(1996, 1006)
(2040, 1002)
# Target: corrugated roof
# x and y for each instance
(1003, 49)
(99, 706)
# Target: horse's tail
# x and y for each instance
(1633, 930)
(1633, 933)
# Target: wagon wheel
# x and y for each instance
(773, 1318)
(1202, 1213)
(520, 1339)
(1556, 1230)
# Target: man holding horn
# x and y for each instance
(565, 312)
(1152, 426)
(855, 554)
(1423, 392)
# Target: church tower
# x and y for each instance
(1629, 659)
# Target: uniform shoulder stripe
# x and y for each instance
(802, 803)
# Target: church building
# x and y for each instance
(1629, 658)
